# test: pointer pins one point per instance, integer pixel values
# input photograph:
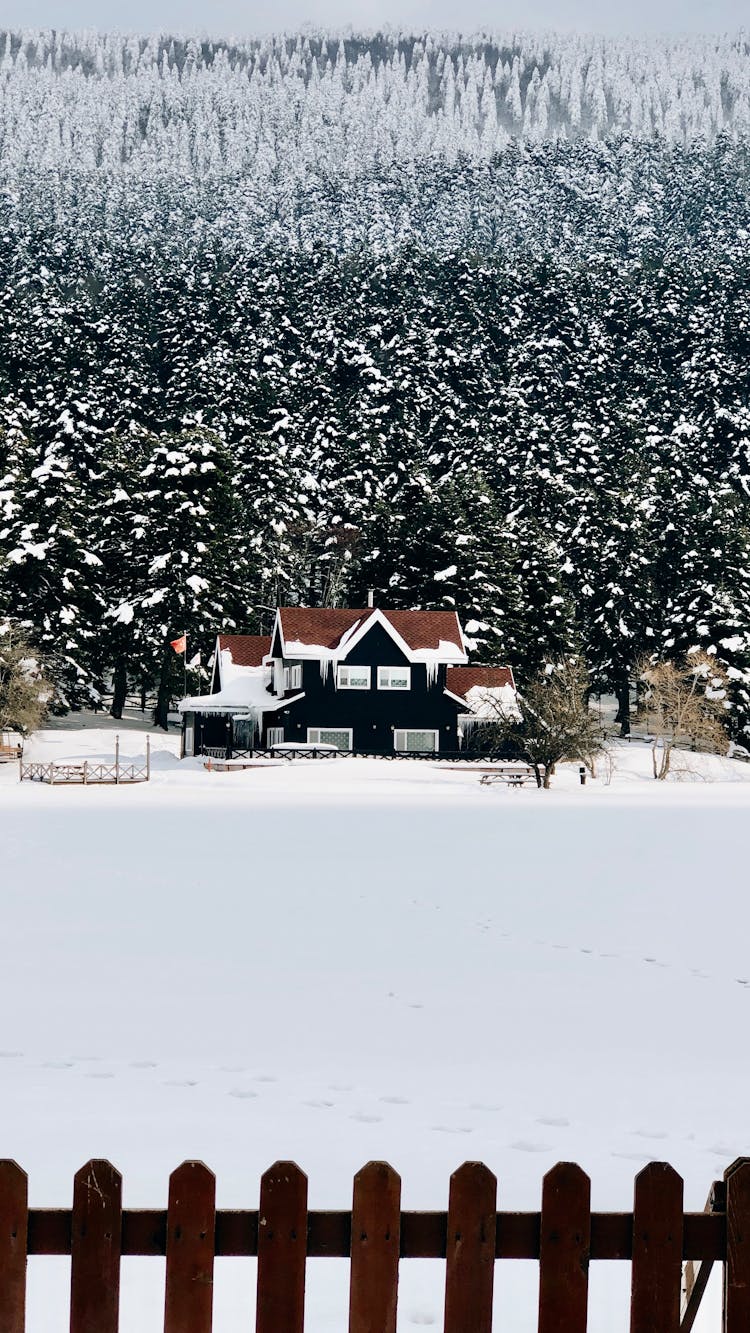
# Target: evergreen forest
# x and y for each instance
(462, 321)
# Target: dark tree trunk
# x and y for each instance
(161, 712)
(143, 694)
(119, 688)
(622, 690)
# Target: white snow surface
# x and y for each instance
(338, 960)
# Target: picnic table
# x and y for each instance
(513, 775)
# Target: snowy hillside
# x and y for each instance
(345, 960)
(320, 102)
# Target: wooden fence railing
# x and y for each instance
(657, 1237)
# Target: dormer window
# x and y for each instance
(293, 677)
(394, 678)
(353, 678)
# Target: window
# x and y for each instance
(422, 741)
(353, 678)
(394, 678)
(293, 677)
(341, 737)
(189, 740)
(275, 736)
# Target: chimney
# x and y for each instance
(370, 596)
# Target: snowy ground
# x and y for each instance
(347, 959)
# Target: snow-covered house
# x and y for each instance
(370, 680)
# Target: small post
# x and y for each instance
(117, 759)
(85, 772)
(582, 775)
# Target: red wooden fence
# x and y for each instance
(671, 1252)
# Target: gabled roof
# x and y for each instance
(332, 631)
(460, 679)
(248, 650)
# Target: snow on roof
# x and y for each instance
(329, 631)
(245, 692)
(492, 701)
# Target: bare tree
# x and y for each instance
(683, 703)
(553, 721)
(24, 693)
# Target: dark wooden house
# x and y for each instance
(374, 681)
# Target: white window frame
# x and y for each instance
(295, 676)
(343, 684)
(274, 736)
(286, 679)
(313, 735)
(406, 731)
(189, 740)
(384, 677)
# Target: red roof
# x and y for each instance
(459, 680)
(248, 650)
(324, 626)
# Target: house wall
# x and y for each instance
(372, 714)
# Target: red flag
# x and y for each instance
(179, 645)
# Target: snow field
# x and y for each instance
(341, 960)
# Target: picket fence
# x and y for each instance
(671, 1252)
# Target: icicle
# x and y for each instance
(432, 668)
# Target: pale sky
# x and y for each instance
(239, 17)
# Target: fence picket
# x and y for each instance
(13, 1233)
(376, 1237)
(564, 1249)
(282, 1250)
(96, 1237)
(736, 1313)
(470, 1249)
(657, 1250)
(191, 1225)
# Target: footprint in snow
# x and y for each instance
(554, 1121)
(243, 1093)
(320, 1106)
(180, 1083)
(100, 1073)
(57, 1064)
(366, 1119)
(649, 1133)
(655, 962)
(264, 1078)
(524, 1145)
(452, 1129)
(395, 1101)
(11, 1055)
(143, 1064)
